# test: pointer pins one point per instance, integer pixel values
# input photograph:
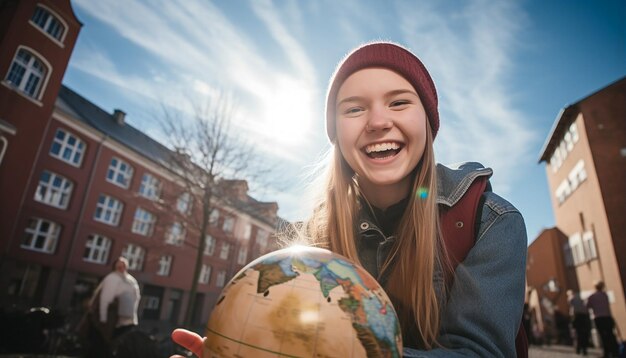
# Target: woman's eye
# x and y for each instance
(401, 102)
(353, 110)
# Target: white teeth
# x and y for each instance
(381, 147)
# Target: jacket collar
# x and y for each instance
(454, 180)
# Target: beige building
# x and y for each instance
(585, 156)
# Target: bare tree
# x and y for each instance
(206, 152)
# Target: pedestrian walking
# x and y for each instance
(581, 322)
(598, 303)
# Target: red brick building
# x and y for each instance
(585, 156)
(79, 187)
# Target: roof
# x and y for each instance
(564, 119)
(94, 116)
(90, 114)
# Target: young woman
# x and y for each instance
(381, 208)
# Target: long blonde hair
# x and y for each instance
(417, 250)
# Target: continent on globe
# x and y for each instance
(303, 302)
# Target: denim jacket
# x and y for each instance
(481, 315)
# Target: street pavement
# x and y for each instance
(555, 351)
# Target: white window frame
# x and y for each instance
(176, 234)
(150, 187)
(56, 191)
(39, 239)
(220, 280)
(135, 255)
(76, 151)
(225, 250)
(108, 210)
(589, 245)
(247, 231)
(229, 224)
(214, 217)
(242, 255)
(183, 203)
(143, 222)
(27, 66)
(48, 23)
(97, 249)
(576, 245)
(116, 174)
(205, 274)
(209, 245)
(165, 265)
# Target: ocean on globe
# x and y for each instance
(303, 302)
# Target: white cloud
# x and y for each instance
(200, 48)
(468, 51)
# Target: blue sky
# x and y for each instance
(503, 70)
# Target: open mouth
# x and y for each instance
(382, 150)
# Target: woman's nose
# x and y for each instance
(378, 120)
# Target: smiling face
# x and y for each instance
(381, 131)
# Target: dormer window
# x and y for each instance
(49, 23)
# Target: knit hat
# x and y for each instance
(393, 57)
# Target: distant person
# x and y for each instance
(113, 309)
(121, 286)
(581, 322)
(598, 303)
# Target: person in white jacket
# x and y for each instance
(122, 286)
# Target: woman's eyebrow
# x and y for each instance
(350, 99)
(399, 92)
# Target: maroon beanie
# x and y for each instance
(393, 57)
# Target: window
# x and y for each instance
(229, 224)
(205, 274)
(247, 230)
(183, 204)
(108, 210)
(176, 234)
(49, 23)
(27, 73)
(165, 265)
(215, 215)
(4, 143)
(151, 303)
(577, 175)
(578, 252)
(53, 190)
(143, 224)
(566, 145)
(135, 255)
(41, 235)
(119, 173)
(67, 147)
(242, 257)
(97, 249)
(150, 187)
(209, 245)
(589, 246)
(567, 252)
(261, 239)
(221, 277)
(225, 251)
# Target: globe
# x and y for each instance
(303, 302)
